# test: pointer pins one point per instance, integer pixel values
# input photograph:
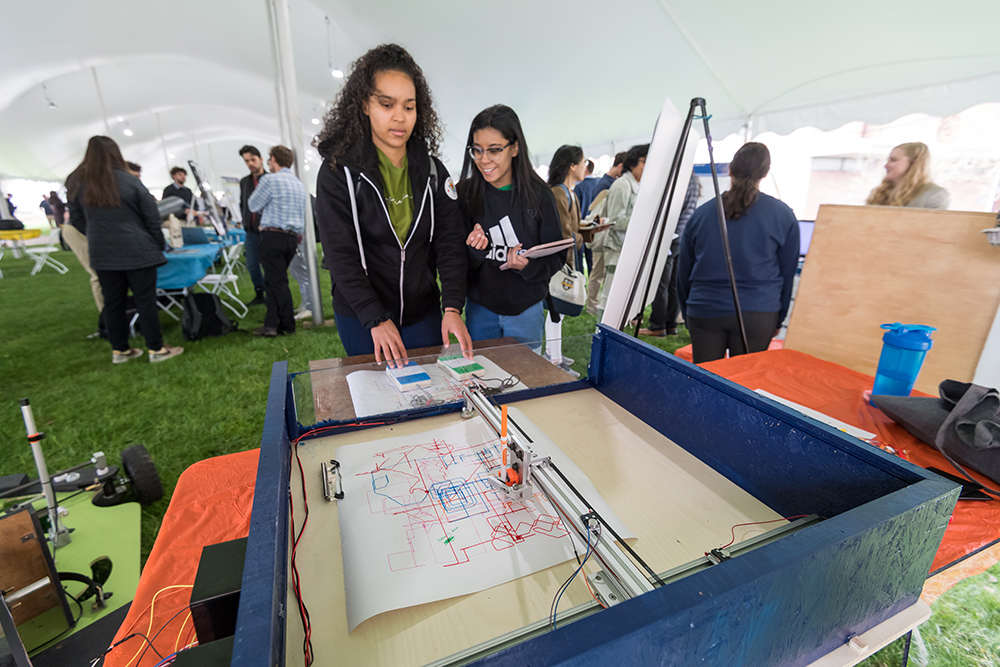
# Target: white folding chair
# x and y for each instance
(224, 283)
(41, 255)
(166, 300)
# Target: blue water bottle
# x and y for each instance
(904, 347)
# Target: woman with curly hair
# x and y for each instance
(388, 214)
(907, 180)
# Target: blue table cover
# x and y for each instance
(186, 266)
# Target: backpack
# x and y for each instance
(203, 317)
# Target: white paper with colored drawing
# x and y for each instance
(418, 523)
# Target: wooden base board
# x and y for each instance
(869, 265)
(677, 506)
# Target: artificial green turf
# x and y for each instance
(210, 401)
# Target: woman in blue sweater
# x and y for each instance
(764, 241)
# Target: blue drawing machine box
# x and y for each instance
(789, 601)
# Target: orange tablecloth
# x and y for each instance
(837, 391)
(211, 504)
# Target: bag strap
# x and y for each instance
(196, 316)
(569, 195)
(553, 315)
(357, 223)
(220, 314)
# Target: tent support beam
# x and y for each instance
(289, 99)
(701, 56)
(163, 142)
(100, 98)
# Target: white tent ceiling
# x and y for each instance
(591, 73)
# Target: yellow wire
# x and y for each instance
(181, 632)
(151, 603)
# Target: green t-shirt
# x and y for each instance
(398, 194)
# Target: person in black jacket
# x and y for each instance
(177, 188)
(125, 244)
(507, 207)
(251, 220)
(387, 213)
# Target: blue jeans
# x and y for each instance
(484, 324)
(358, 340)
(253, 260)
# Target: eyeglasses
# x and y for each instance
(477, 153)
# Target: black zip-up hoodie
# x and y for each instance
(400, 282)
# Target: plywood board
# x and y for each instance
(676, 505)
(869, 265)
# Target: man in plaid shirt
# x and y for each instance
(281, 199)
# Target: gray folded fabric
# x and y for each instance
(963, 424)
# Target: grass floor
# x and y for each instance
(210, 401)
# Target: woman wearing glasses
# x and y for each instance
(507, 208)
(387, 212)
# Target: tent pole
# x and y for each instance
(4, 213)
(163, 142)
(286, 80)
(100, 98)
(279, 88)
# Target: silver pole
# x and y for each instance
(4, 213)
(279, 88)
(286, 77)
(43, 475)
(100, 98)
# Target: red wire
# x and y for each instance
(296, 583)
(732, 530)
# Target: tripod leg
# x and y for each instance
(723, 230)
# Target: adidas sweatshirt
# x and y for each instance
(512, 292)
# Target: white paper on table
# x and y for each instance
(373, 392)
(419, 524)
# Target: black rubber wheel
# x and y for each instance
(141, 472)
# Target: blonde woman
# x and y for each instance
(907, 180)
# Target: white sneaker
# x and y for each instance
(168, 352)
(303, 315)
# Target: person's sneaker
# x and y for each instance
(258, 300)
(265, 332)
(121, 357)
(656, 333)
(303, 315)
(166, 353)
(568, 369)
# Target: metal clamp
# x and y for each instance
(332, 480)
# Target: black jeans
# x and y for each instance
(115, 286)
(276, 251)
(712, 336)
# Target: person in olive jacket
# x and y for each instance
(126, 245)
(387, 213)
